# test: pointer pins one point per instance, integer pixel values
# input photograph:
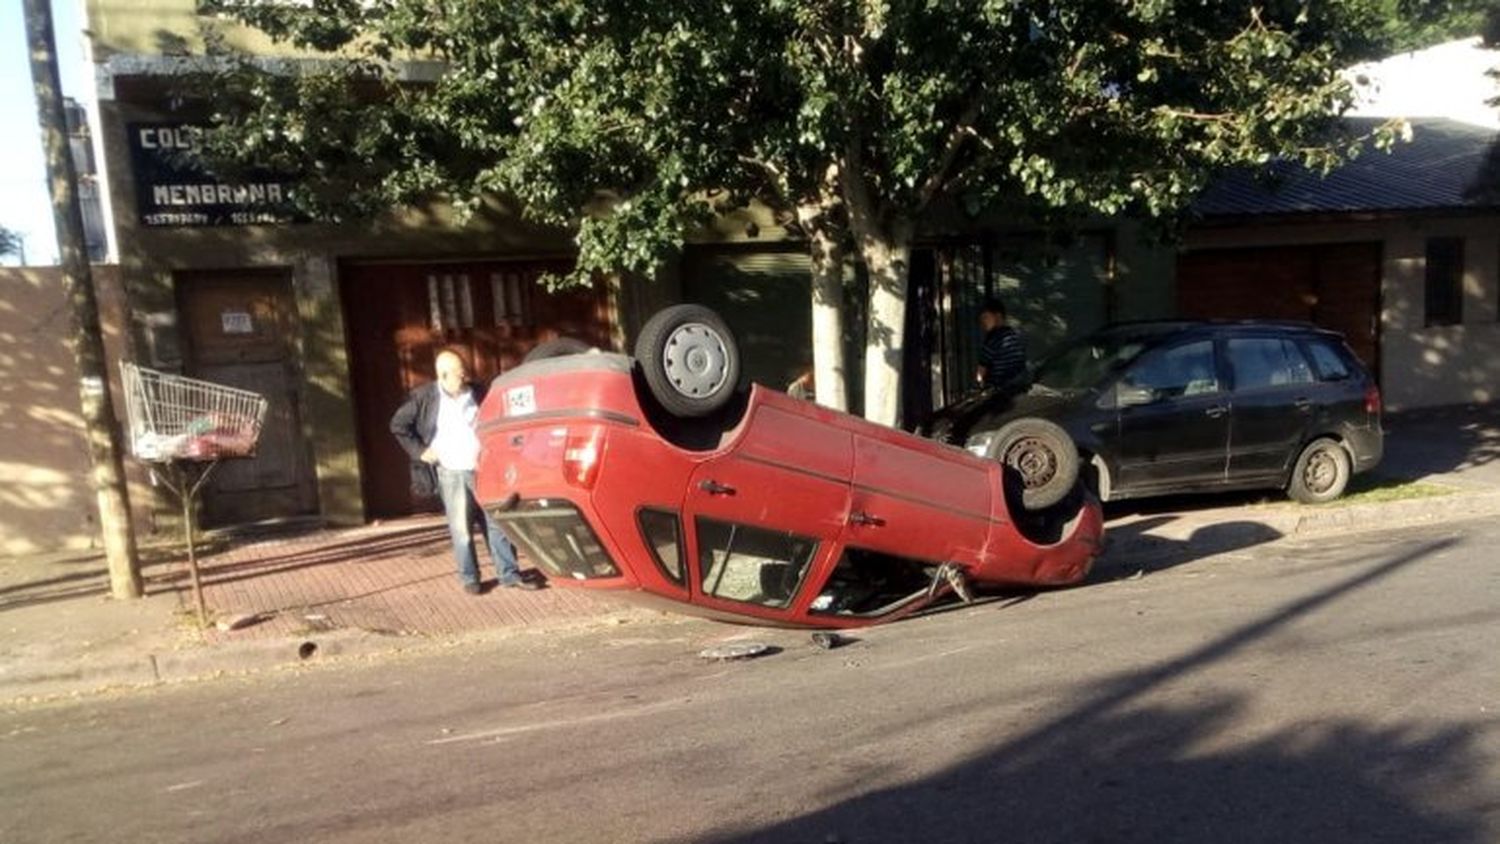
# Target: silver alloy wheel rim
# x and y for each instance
(695, 360)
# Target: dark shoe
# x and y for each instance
(522, 583)
(472, 588)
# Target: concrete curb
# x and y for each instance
(1218, 531)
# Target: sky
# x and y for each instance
(24, 204)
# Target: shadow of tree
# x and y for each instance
(1434, 441)
(1116, 767)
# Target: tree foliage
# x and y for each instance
(634, 120)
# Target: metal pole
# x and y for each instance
(85, 339)
(189, 492)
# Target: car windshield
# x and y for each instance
(1081, 365)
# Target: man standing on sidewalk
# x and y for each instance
(1002, 352)
(435, 426)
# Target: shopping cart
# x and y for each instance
(183, 427)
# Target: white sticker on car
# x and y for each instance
(520, 401)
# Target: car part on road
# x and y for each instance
(735, 650)
(1321, 474)
(690, 360)
(1043, 457)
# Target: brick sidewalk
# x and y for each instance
(397, 577)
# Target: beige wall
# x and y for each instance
(1420, 366)
(46, 502)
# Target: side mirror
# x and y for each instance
(1130, 395)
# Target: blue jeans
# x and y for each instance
(464, 514)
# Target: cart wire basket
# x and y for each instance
(183, 427)
(176, 418)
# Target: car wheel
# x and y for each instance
(690, 360)
(559, 347)
(1043, 458)
(1321, 474)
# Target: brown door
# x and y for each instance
(239, 326)
(400, 315)
(1336, 286)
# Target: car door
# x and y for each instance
(911, 499)
(1274, 403)
(763, 514)
(1173, 419)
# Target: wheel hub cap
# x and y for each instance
(1033, 460)
(695, 360)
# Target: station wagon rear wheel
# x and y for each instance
(1321, 473)
(690, 360)
(1042, 457)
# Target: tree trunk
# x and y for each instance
(830, 378)
(887, 258)
(85, 339)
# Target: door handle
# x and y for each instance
(1302, 404)
(713, 487)
(1216, 411)
(865, 519)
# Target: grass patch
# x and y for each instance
(1368, 489)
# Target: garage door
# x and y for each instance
(400, 315)
(1336, 286)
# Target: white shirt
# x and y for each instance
(456, 444)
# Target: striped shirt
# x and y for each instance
(1002, 354)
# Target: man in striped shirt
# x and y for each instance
(1002, 352)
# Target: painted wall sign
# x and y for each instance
(172, 190)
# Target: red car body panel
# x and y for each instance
(571, 434)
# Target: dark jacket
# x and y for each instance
(415, 427)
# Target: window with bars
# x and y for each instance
(508, 298)
(450, 301)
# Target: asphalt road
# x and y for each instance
(1342, 690)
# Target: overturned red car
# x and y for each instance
(660, 477)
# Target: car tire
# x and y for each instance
(1321, 473)
(690, 360)
(556, 348)
(1042, 457)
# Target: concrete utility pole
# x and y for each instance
(86, 340)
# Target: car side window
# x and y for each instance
(1185, 370)
(664, 539)
(1330, 364)
(1259, 362)
(750, 564)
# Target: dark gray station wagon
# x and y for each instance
(1168, 407)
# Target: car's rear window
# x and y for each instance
(556, 537)
(1267, 362)
(1327, 360)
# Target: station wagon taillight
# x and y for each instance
(1372, 400)
(581, 453)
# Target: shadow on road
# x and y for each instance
(1116, 767)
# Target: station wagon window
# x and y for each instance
(663, 535)
(750, 564)
(869, 584)
(1329, 363)
(1267, 362)
(1186, 370)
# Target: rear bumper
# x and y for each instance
(1366, 447)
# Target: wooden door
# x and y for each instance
(238, 325)
(399, 315)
